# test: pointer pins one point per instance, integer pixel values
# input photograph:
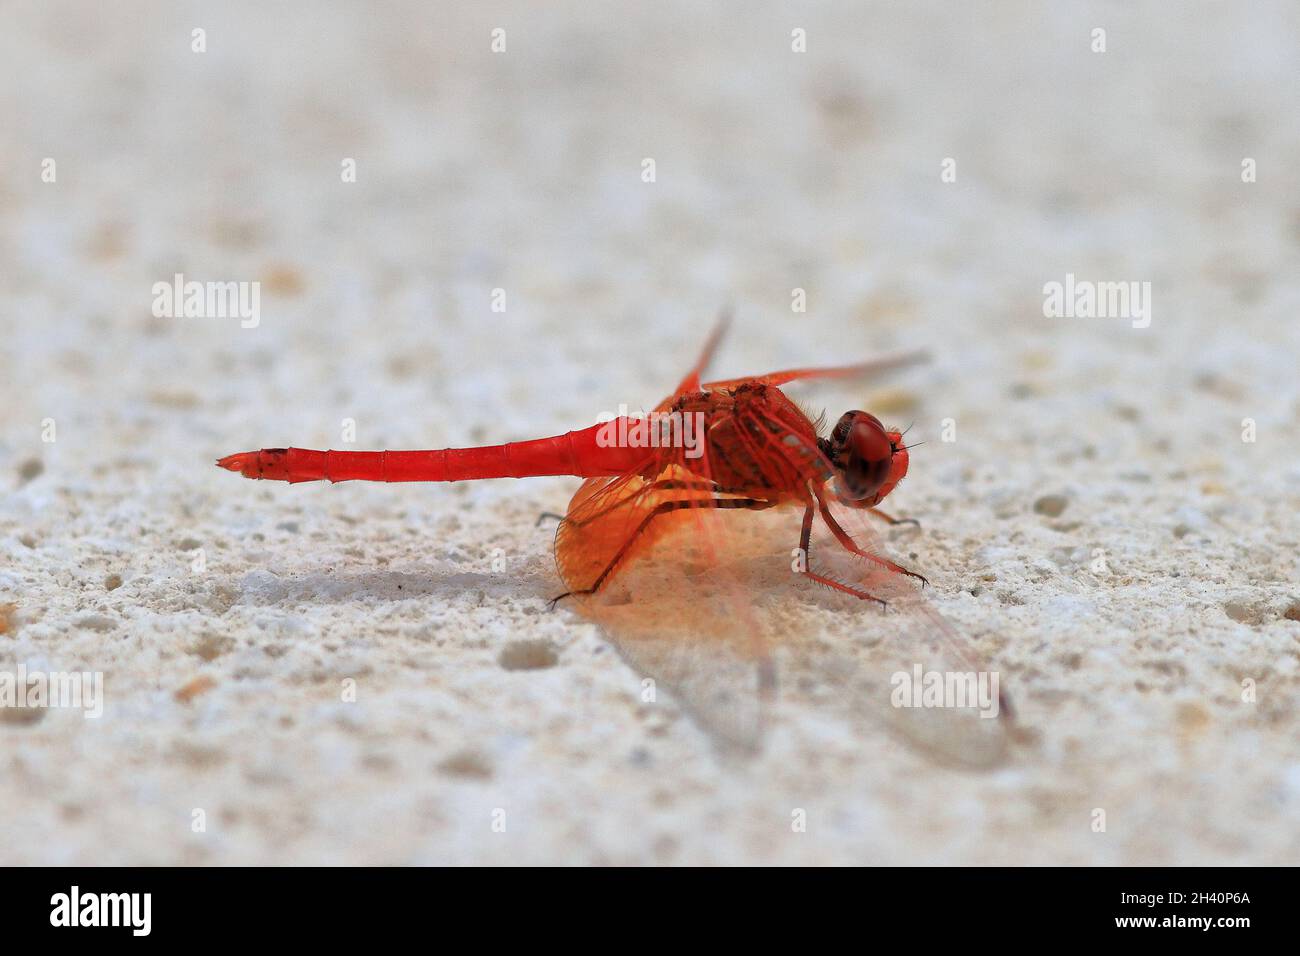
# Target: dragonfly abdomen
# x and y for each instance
(577, 453)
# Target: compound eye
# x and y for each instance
(867, 454)
(868, 441)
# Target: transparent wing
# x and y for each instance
(861, 370)
(907, 668)
(673, 606)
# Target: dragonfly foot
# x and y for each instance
(925, 582)
(889, 519)
(558, 598)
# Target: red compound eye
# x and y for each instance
(863, 454)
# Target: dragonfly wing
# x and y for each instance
(691, 383)
(613, 523)
(880, 663)
(670, 608)
(711, 668)
(908, 667)
(862, 370)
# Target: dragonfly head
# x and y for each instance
(869, 460)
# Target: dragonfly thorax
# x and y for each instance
(757, 442)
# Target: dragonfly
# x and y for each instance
(647, 549)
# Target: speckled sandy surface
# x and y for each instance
(1076, 439)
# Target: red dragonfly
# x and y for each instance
(655, 489)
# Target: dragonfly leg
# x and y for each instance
(753, 504)
(547, 514)
(890, 519)
(847, 541)
(805, 538)
(671, 484)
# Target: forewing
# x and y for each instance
(906, 666)
(862, 370)
(877, 663)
